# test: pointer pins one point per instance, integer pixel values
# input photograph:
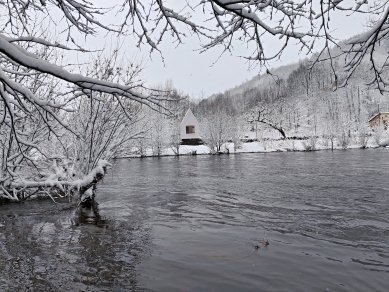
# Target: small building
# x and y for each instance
(380, 120)
(190, 129)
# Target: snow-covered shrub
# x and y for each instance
(362, 135)
(377, 134)
(324, 141)
(343, 139)
(292, 144)
(310, 144)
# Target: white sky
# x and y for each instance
(194, 73)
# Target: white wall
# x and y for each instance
(189, 120)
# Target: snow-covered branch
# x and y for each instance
(59, 181)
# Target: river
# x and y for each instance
(202, 223)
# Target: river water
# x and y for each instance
(200, 223)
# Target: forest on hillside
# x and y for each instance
(306, 102)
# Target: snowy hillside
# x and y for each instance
(299, 101)
(263, 80)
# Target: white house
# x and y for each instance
(189, 127)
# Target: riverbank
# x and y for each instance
(264, 146)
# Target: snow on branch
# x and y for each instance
(365, 45)
(216, 22)
(58, 181)
(84, 83)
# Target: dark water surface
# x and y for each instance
(199, 224)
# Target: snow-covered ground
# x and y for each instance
(270, 146)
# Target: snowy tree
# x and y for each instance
(141, 144)
(158, 133)
(37, 97)
(300, 79)
(362, 137)
(103, 129)
(177, 106)
(54, 159)
(268, 115)
(164, 130)
(218, 123)
(218, 128)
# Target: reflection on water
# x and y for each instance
(199, 223)
(42, 249)
(89, 214)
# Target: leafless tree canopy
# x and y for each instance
(257, 23)
(217, 23)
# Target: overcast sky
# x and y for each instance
(199, 76)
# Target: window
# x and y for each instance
(190, 129)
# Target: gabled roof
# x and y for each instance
(377, 114)
(188, 116)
